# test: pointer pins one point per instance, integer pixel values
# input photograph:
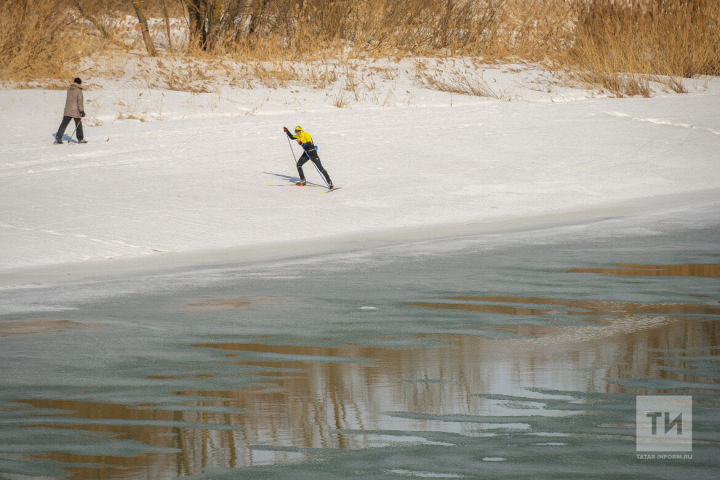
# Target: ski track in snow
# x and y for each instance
(79, 236)
(663, 122)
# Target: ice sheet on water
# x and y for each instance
(278, 358)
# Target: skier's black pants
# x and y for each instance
(64, 124)
(312, 156)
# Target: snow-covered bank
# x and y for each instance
(641, 216)
(200, 176)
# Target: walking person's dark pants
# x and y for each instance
(63, 126)
(313, 156)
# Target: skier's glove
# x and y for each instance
(285, 129)
(82, 114)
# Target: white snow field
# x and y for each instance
(170, 177)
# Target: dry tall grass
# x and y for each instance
(34, 39)
(621, 45)
(618, 44)
(312, 29)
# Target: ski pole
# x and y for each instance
(291, 150)
(320, 173)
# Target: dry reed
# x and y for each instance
(34, 41)
(623, 45)
(619, 45)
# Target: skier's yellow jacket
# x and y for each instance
(303, 139)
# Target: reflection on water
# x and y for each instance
(583, 307)
(217, 304)
(534, 364)
(37, 325)
(705, 270)
(319, 398)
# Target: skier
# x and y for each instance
(73, 110)
(310, 153)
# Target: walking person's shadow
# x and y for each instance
(65, 138)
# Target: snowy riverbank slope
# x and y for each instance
(168, 171)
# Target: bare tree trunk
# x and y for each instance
(207, 24)
(256, 16)
(144, 27)
(196, 12)
(214, 13)
(167, 26)
(234, 11)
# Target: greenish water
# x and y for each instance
(500, 356)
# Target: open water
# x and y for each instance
(495, 356)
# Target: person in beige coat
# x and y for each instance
(73, 110)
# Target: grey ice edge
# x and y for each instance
(352, 242)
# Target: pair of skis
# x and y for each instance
(308, 185)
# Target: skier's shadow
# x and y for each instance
(65, 138)
(291, 179)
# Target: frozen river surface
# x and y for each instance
(495, 356)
